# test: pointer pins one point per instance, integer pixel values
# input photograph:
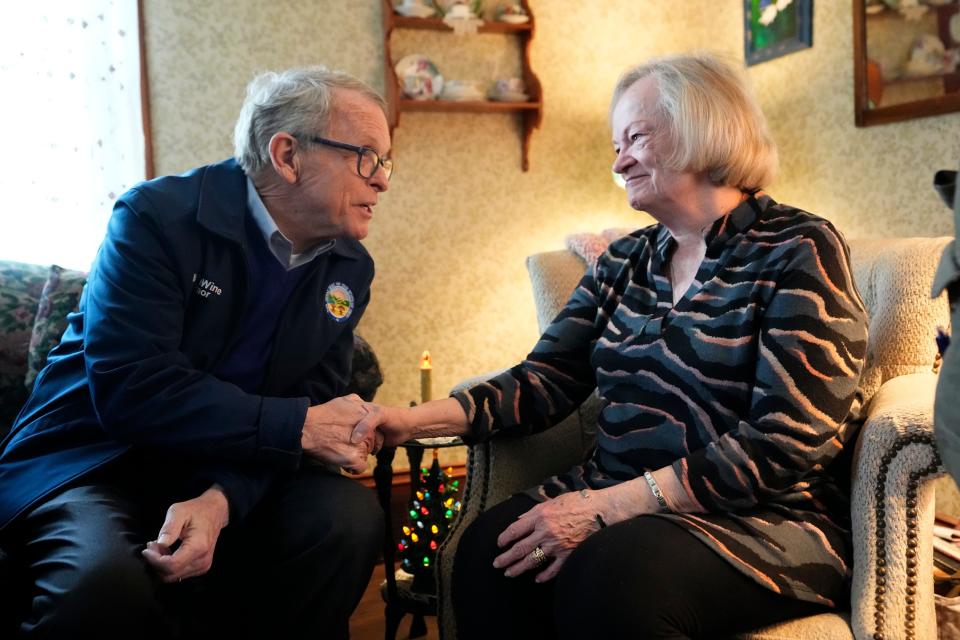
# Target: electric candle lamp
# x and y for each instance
(426, 372)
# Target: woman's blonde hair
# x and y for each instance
(713, 120)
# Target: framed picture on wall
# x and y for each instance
(773, 28)
(904, 60)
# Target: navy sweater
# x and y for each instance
(270, 288)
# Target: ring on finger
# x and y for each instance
(538, 556)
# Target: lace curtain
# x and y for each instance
(70, 123)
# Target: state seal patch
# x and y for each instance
(339, 301)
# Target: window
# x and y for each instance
(71, 126)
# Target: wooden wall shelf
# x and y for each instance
(471, 106)
(952, 76)
(530, 112)
(437, 24)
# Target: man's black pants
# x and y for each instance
(295, 567)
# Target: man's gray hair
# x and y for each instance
(297, 101)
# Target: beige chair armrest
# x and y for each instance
(553, 275)
(892, 511)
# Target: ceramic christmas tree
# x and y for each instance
(433, 507)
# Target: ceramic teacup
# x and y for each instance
(459, 11)
(509, 85)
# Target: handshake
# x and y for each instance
(345, 430)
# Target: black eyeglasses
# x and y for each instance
(368, 160)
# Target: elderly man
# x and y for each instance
(199, 384)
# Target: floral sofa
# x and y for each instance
(34, 303)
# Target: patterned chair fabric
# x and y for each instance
(895, 457)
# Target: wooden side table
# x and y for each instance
(400, 596)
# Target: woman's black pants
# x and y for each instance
(641, 578)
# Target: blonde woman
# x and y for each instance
(726, 343)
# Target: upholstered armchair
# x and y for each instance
(895, 456)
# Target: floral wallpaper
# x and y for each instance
(451, 236)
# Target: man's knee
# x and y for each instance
(79, 553)
(338, 514)
(114, 594)
(361, 524)
(360, 519)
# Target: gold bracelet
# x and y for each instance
(655, 488)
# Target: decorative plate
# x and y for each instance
(418, 77)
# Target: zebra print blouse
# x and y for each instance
(747, 388)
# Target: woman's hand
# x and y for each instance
(387, 424)
(556, 527)
(394, 425)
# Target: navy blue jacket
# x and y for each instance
(163, 305)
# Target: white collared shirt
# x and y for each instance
(279, 245)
